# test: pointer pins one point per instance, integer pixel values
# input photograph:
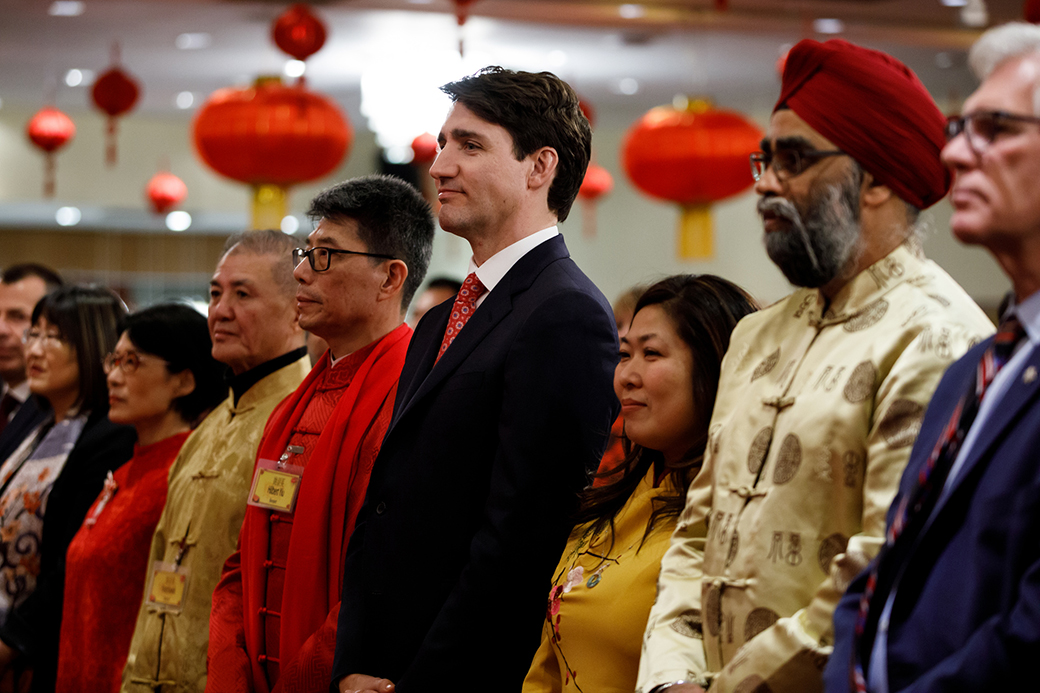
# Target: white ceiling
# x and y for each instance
(677, 46)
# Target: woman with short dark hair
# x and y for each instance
(161, 380)
(605, 583)
(49, 482)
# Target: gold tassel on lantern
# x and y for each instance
(269, 206)
(695, 233)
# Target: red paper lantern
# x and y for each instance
(693, 157)
(424, 149)
(298, 32)
(50, 130)
(115, 93)
(1031, 11)
(461, 15)
(271, 136)
(597, 183)
(165, 191)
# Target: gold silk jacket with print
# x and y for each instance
(814, 422)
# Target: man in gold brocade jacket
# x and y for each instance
(821, 395)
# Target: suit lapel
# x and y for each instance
(1019, 393)
(497, 305)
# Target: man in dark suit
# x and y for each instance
(952, 603)
(497, 420)
(21, 286)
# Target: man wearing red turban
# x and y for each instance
(821, 395)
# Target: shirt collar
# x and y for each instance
(21, 392)
(1028, 312)
(495, 267)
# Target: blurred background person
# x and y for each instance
(438, 290)
(161, 380)
(256, 333)
(49, 482)
(21, 287)
(604, 586)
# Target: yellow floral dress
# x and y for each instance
(599, 602)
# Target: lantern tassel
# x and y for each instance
(49, 175)
(111, 155)
(695, 233)
(588, 218)
(269, 206)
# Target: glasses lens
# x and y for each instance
(108, 364)
(297, 256)
(320, 258)
(787, 162)
(954, 126)
(984, 127)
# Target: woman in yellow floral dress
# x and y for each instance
(605, 583)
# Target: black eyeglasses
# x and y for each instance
(320, 258)
(788, 163)
(982, 128)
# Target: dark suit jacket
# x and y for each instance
(470, 501)
(966, 616)
(33, 627)
(26, 419)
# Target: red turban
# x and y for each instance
(875, 109)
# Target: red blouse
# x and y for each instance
(106, 569)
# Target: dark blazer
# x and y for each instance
(966, 615)
(34, 626)
(470, 501)
(26, 419)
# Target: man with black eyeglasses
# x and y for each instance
(273, 625)
(821, 395)
(951, 602)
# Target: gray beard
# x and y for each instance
(813, 252)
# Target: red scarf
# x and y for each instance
(331, 495)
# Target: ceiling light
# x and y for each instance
(184, 100)
(631, 11)
(66, 8)
(295, 68)
(290, 224)
(828, 26)
(974, 14)
(628, 86)
(178, 221)
(193, 41)
(399, 154)
(954, 3)
(79, 78)
(67, 216)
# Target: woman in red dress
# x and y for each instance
(161, 380)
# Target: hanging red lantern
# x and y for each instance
(165, 191)
(50, 130)
(1031, 11)
(694, 156)
(298, 32)
(271, 136)
(424, 149)
(115, 93)
(597, 183)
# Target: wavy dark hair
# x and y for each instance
(178, 334)
(89, 319)
(704, 309)
(537, 110)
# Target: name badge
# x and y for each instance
(276, 483)
(168, 586)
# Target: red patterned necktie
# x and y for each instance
(915, 508)
(462, 310)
